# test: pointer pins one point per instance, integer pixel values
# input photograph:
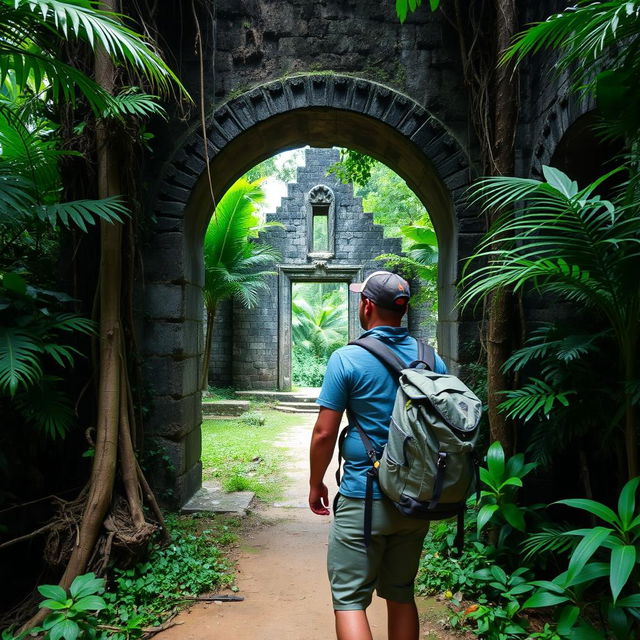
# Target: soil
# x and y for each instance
(281, 572)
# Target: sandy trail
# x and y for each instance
(281, 570)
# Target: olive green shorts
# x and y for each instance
(389, 564)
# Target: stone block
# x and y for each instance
(173, 418)
(166, 301)
(177, 339)
(167, 376)
(166, 261)
(187, 484)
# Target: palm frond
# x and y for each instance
(81, 213)
(130, 102)
(19, 360)
(46, 407)
(536, 397)
(551, 539)
(84, 22)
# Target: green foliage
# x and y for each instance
(319, 327)
(404, 6)
(569, 243)
(232, 449)
(32, 28)
(74, 614)
(353, 166)
(232, 261)
(253, 418)
(307, 368)
(599, 43)
(191, 564)
(441, 571)
(32, 334)
(501, 480)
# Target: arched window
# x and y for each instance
(321, 222)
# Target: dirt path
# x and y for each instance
(281, 571)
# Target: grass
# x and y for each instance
(241, 454)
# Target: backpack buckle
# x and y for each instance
(442, 460)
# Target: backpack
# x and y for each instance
(428, 466)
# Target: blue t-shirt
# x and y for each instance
(357, 380)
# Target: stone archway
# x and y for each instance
(321, 111)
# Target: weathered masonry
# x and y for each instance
(280, 74)
(325, 237)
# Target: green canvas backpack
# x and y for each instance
(428, 466)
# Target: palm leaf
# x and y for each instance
(47, 407)
(84, 22)
(81, 213)
(19, 360)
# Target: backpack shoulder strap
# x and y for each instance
(426, 354)
(381, 351)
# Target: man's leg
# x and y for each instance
(402, 621)
(352, 625)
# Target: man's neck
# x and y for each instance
(379, 323)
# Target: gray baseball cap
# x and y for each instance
(387, 290)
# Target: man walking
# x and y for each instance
(358, 382)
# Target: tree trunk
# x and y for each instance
(500, 324)
(204, 374)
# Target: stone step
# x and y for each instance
(303, 395)
(287, 408)
(225, 407)
(299, 405)
(211, 499)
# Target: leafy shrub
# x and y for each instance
(73, 613)
(253, 418)
(307, 369)
(440, 572)
(192, 564)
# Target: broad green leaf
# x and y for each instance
(627, 502)
(629, 601)
(560, 181)
(90, 603)
(567, 618)
(514, 516)
(589, 573)
(67, 630)
(511, 482)
(598, 509)
(585, 549)
(54, 605)
(484, 515)
(53, 591)
(434, 4)
(85, 585)
(623, 561)
(495, 460)
(544, 599)
(548, 585)
(14, 282)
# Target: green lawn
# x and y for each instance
(242, 456)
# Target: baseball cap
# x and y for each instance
(387, 290)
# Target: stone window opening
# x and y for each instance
(321, 223)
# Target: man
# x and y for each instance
(356, 380)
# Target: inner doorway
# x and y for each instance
(319, 325)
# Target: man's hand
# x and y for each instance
(319, 500)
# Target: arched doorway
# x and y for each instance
(320, 111)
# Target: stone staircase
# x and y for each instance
(300, 401)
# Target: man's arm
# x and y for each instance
(323, 442)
